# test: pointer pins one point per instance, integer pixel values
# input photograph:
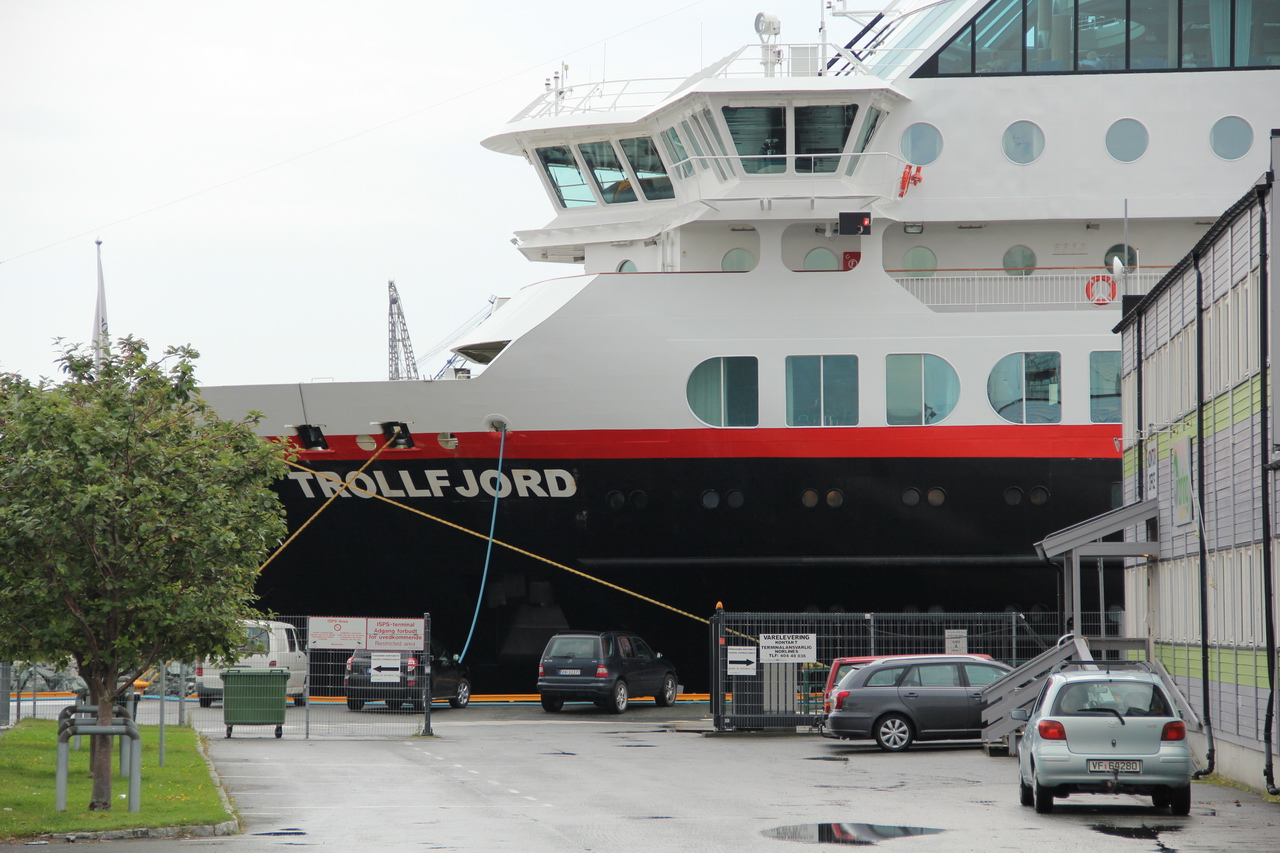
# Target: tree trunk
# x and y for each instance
(100, 754)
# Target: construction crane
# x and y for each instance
(400, 361)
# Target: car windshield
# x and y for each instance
(1129, 698)
(572, 647)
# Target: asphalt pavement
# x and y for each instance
(516, 778)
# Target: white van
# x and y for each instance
(267, 645)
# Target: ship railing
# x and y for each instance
(813, 176)
(1074, 288)
(747, 62)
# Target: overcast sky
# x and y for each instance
(258, 171)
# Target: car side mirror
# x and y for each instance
(1021, 714)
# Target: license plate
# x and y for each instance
(571, 672)
(1112, 765)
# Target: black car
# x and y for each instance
(605, 667)
(405, 683)
(901, 701)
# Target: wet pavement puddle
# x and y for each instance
(1144, 832)
(864, 834)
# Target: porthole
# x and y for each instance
(911, 497)
(627, 266)
(615, 500)
(1128, 256)
(937, 497)
(639, 499)
(821, 258)
(1013, 496)
(920, 262)
(1023, 142)
(738, 260)
(1039, 495)
(921, 144)
(1127, 140)
(710, 499)
(809, 498)
(735, 499)
(835, 498)
(1019, 260)
(1231, 137)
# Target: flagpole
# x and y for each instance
(101, 343)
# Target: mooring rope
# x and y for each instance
(488, 548)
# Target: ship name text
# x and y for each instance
(519, 482)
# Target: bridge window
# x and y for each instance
(1025, 388)
(725, 392)
(566, 178)
(675, 150)
(822, 130)
(920, 388)
(1104, 387)
(760, 136)
(611, 179)
(642, 154)
(822, 390)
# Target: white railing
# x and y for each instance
(1078, 289)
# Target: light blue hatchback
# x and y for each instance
(1104, 732)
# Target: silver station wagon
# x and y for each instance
(1102, 731)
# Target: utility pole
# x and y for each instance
(400, 361)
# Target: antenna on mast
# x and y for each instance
(400, 361)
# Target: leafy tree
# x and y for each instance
(132, 521)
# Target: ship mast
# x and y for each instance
(400, 361)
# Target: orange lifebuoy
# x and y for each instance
(1100, 290)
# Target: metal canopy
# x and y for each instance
(1085, 540)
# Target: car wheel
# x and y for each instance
(392, 704)
(1180, 801)
(1042, 797)
(354, 704)
(206, 701)
(893, 733)
(551, 703)
(1026, 796)
(1160, 799)
(464, 695)
(618, 700)
(666, 696)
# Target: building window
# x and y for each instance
(1025, 388)
(738, 260)
(1019, 260)
(920, 388)
(725, 391)
(921, 144)
(920, 262)
(566, 178)
(821, 258)
(1231, 137)
(1104, 387)
(642, 154)
(1127, 140)
(1023, 142)
(822, 390)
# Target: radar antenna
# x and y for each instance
(400, 361)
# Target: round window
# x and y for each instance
(710, 499)
(835, 498)
(1128, 256)
(738, 260)
(615, 500)
(920, 262)
(821, 259)
(921, 144)
(1023, 142)
(735, 499)
(809, 497)
(1127, 140)
(911, 497)
(937, 497)
(1231, 137)
(627, 266)
(1019, 260)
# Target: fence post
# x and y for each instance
(716, 631)
(426, 656)
(4, 693)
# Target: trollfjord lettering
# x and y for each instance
(437, 483)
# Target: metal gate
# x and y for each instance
(768, 670)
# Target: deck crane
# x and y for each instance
(400, 361)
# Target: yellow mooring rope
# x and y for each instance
(347, 485)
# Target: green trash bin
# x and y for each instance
(254, 697)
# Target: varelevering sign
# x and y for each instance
(788, 648)
(340, 632)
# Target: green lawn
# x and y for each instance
(179, 794)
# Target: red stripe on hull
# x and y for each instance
(1048, 441)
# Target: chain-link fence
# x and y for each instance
(770, 670)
